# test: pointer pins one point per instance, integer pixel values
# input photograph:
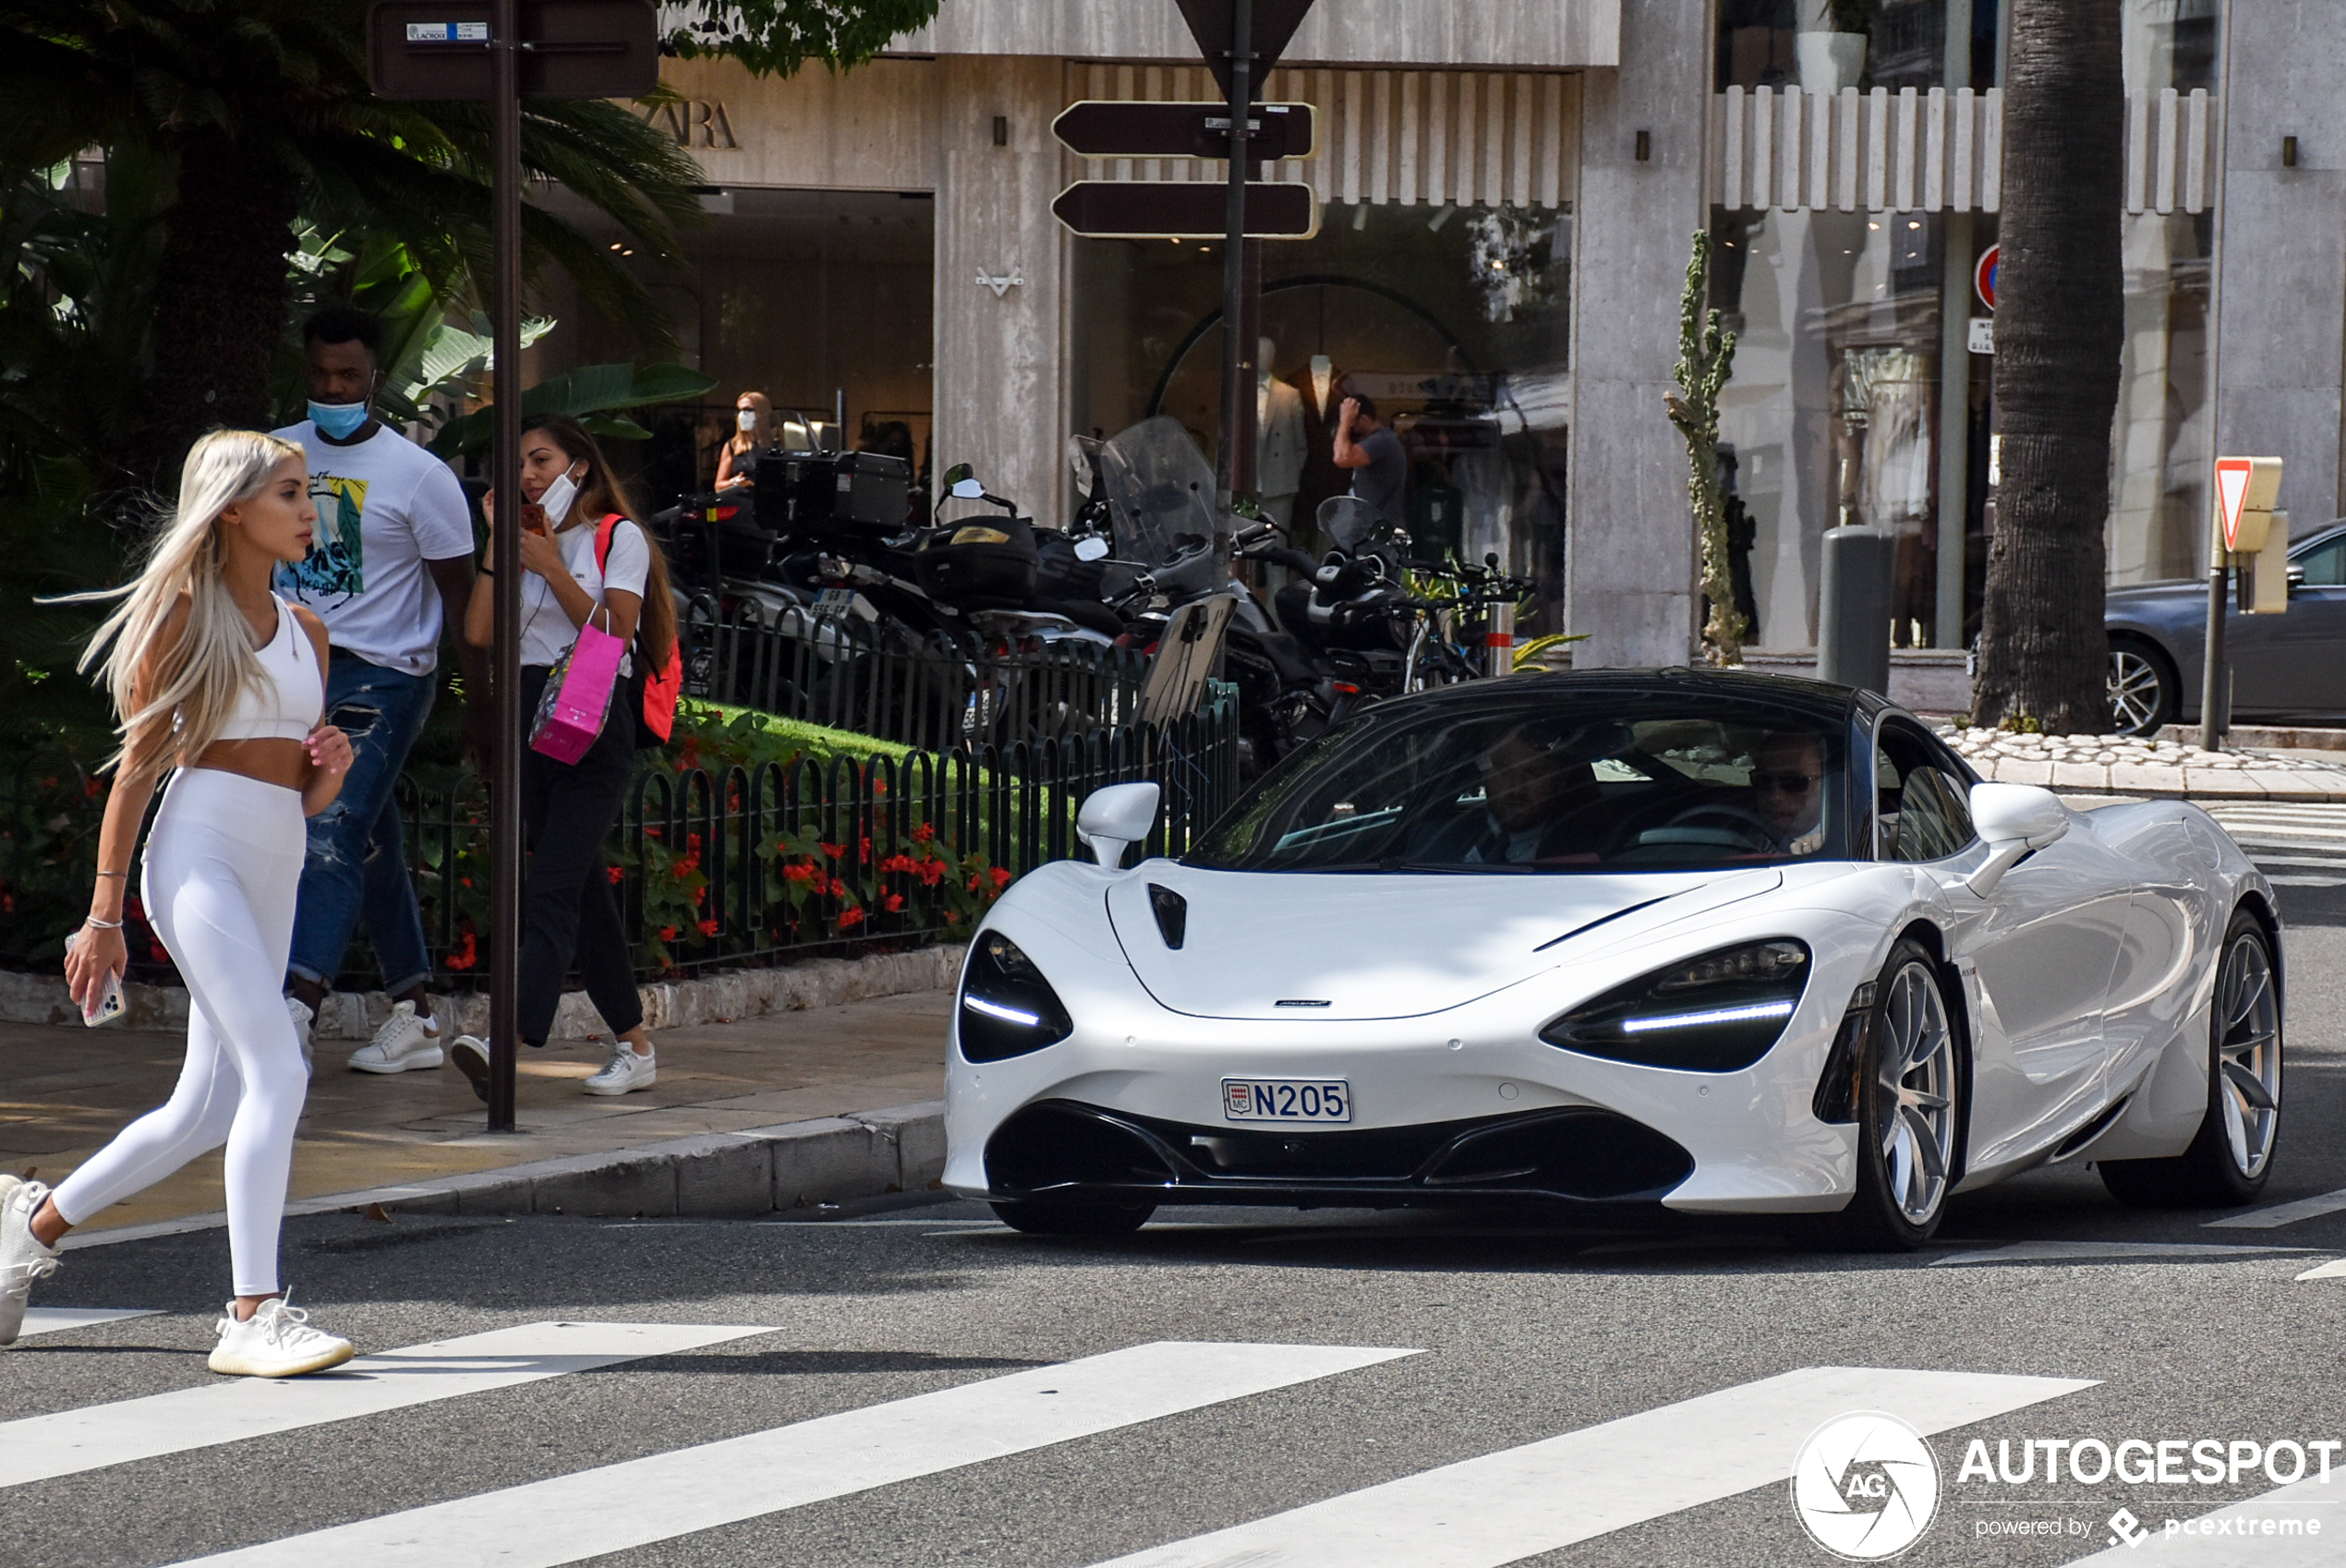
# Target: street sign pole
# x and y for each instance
(504, 480)
(2246, 489)
(2212, 719)
(1237, 354)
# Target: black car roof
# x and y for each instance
(1814, 699)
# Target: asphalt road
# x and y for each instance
(1250, 1372)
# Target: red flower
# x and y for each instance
(879, 786)
(867, 847)
(616, 874)
(466, 955)
(464, 881)
(953, 918)
(834, 851)
(708, 928)
(932, 872)
(1001, 877)
(895, 902)
(799, 873)
(667, 934)
(974, 879)
(924, 832)
(850, 917)
(904, 864)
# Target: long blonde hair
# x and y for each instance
(745, 442)
(196, 679)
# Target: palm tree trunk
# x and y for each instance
(2060, 328)
(219, 300)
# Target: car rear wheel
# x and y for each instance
(1909, 1105)
(1045, 1216)
(2145, 692)
(2227, 1165)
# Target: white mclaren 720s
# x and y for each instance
(1722, 943)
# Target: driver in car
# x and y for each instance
(1536, 795)
(1788, 789)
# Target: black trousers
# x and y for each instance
(569, 911)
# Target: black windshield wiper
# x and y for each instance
(1463, 868)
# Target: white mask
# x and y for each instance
(557, 499)
(746, 420)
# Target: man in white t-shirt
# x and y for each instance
(391, 566)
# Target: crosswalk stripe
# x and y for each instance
(610, 1509)
(2311, 1501)
(53, 1320)
(2335, 1269)
(39, 1448)
(2283, 1213)
(1546, 1495)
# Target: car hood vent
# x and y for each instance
(1247, 944)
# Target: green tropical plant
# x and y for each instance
(778, 36)
(592, 394)
(1706, 358)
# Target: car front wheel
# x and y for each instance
(1909, 1105)
(2145, 692)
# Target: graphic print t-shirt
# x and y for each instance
(385, 507)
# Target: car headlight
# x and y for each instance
(1718, 1013)
(1008, 1009)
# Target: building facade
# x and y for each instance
(1507, 192)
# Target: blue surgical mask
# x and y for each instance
(339, 420)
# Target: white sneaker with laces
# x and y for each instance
(298, 1010)
(22, 1258)
(275, 1342)
(471, 1056)
(404, 1043)
(627, 1071)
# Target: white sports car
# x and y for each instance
(1731, 944)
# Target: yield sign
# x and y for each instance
(2246, 488)
(1275, 22)
(2231, 494)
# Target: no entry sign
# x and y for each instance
(1983, 276)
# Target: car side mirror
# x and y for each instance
(1115, 818)
(2296, 580)
(2015, 821)
(1091, 548)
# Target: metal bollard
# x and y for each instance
(1853, 609)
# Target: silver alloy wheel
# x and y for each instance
(2248, 1053)
(1916, 1066)
(2134, 691)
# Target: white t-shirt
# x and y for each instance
(546, 629)
(385, 507)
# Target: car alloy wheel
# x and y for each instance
(2139, 701)
(2228, 1160)
(1908, 1100)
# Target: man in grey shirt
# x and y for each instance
(1379, 468)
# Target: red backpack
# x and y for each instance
(655, 708)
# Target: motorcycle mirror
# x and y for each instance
(1091, 548)
(968, 489)
(956, 474)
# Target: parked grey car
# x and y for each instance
(2287, 669)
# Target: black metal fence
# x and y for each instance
(881, 677)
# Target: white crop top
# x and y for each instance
(288, 700)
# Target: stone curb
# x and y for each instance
(725, 997)
(761, 1171)
(2271, 785)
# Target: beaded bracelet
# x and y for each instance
(97, 925)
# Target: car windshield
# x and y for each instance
(1554, 781)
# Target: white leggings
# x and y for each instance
(224, 864)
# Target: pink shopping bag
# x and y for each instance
(577, 696)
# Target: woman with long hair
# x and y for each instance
(214, 678)
(753, 432)
(585, 559)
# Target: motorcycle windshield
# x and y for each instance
(1160, 491)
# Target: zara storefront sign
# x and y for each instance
(692, 121)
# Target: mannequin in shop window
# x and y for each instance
(752, 428)
(1284, 438)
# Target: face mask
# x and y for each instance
(557, 499)
(337, 419)
(747, 421)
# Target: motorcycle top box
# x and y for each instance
(979, 563)
(852, 491)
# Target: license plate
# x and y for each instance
(839, 603)
(1287, 1100)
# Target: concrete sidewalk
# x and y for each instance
(2120, 765)
(845, 1094)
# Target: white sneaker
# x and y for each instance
(275, 1342)
(471, 1056)
(298, 1010)
(627, 1071)
(404, 1043)
(22, 1258)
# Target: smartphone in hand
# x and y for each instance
(108, 1005)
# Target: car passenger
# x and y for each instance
(1537, 795)
(1787, 789)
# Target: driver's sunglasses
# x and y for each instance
(1784, 783)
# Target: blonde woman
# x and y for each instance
(218, 681)
(753, 431)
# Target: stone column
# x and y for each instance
(1000, 361)
(1632, 561)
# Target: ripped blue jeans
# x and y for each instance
(356, 867)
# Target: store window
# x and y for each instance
(1453, 319)
(821, 300)
(1825, 45)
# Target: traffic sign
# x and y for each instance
(438, 49)
(1983, 276)
(2246, 490)
(1272, 24)
(1102, 128)
(1184, 209)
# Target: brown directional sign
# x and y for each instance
(1275, 22)
(1098, 128)
(1184, 209)
(438, 49)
